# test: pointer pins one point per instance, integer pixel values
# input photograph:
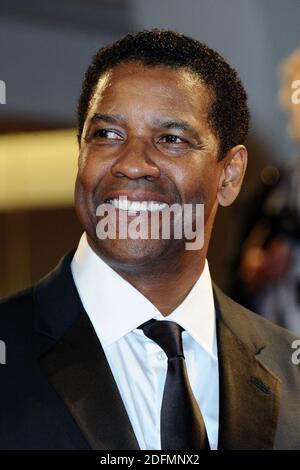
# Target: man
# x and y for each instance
(162, 120)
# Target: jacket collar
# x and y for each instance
(73, 359)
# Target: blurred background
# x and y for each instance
(45, 48)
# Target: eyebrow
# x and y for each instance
(161, 123)
(109, 118)
(174, 124)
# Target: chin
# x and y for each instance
(131, 253)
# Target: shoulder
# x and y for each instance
(276, 346)
(17, 319)
(236, 313)
(267, 329)
(16, 305)
(16, 334)
(53, 285)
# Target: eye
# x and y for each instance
(171, 144)
(106, 134)
(172, 139)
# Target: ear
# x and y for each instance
(230, 182)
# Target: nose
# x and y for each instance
(135, 162)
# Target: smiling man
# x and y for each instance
(128, 344)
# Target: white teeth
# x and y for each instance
(136, 206)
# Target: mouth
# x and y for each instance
(137, 202)
(133, 207)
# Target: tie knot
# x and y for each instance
(167, 334)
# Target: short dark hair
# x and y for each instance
(229, 113)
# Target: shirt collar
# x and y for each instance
(115, 307)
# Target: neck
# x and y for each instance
(167, 281)
(167, 287)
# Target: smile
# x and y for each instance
(137, 206)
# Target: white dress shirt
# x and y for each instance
(138, 364)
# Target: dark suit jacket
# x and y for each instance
(57, 390)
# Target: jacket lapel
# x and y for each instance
(249, 391)
(75, 364)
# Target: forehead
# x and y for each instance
(146, 90)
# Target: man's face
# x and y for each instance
(146, 137)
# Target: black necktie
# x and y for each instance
(182, 425)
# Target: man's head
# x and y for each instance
(228, 113)
(160, 116)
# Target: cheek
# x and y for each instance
(90, 170)
(198, 182)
